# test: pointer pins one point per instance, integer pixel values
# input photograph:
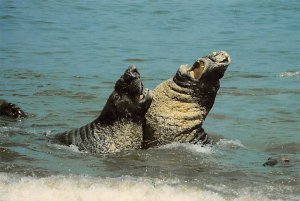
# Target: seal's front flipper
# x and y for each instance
(201, 137)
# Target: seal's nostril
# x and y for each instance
(127, 76)
(132, 68)
(131, 73)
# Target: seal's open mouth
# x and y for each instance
(130, 82)
(197, 70)
(145, 95)
(216, 59)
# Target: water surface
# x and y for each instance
(59, 61)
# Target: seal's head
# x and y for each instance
(129, 99)
(11, 110)
(209, 68)
(203, 77)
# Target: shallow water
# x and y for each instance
(59, 61)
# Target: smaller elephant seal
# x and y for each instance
(119, 126)
(274, 161)
(180, 104)
(271, 162)
(11, 110)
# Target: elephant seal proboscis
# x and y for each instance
(180, 104)
(119, 126)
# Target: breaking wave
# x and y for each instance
(14, 187)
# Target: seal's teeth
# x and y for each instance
(197, 70)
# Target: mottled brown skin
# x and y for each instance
(11, 110)
(181, 104)
(119, 126)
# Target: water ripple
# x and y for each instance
(66, 93)
(234, 91)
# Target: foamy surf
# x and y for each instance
(290, 74)
(230, 143)
(72, 148)
(19, 188)
(195, 148)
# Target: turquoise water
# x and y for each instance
(59, 61)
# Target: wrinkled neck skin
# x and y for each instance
(110, 115)
(134, 111)
(204, 91)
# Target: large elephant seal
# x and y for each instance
(119, 126)
(180, 104)
(11, 110)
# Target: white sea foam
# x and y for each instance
(290, 74)
(5, 131)
(71, 147)
(74, 148)
(230, 143)
(19, 188)
(196, 148)
(48, 133)
(8, 128)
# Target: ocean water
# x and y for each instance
(59, 61)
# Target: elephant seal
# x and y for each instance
(120, 124)
(8, 109)
(180, 104)
(271, 162)
(274, 161)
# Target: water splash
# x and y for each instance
(231, 144)
(290, 74)
(195, 148)
(71, 148)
